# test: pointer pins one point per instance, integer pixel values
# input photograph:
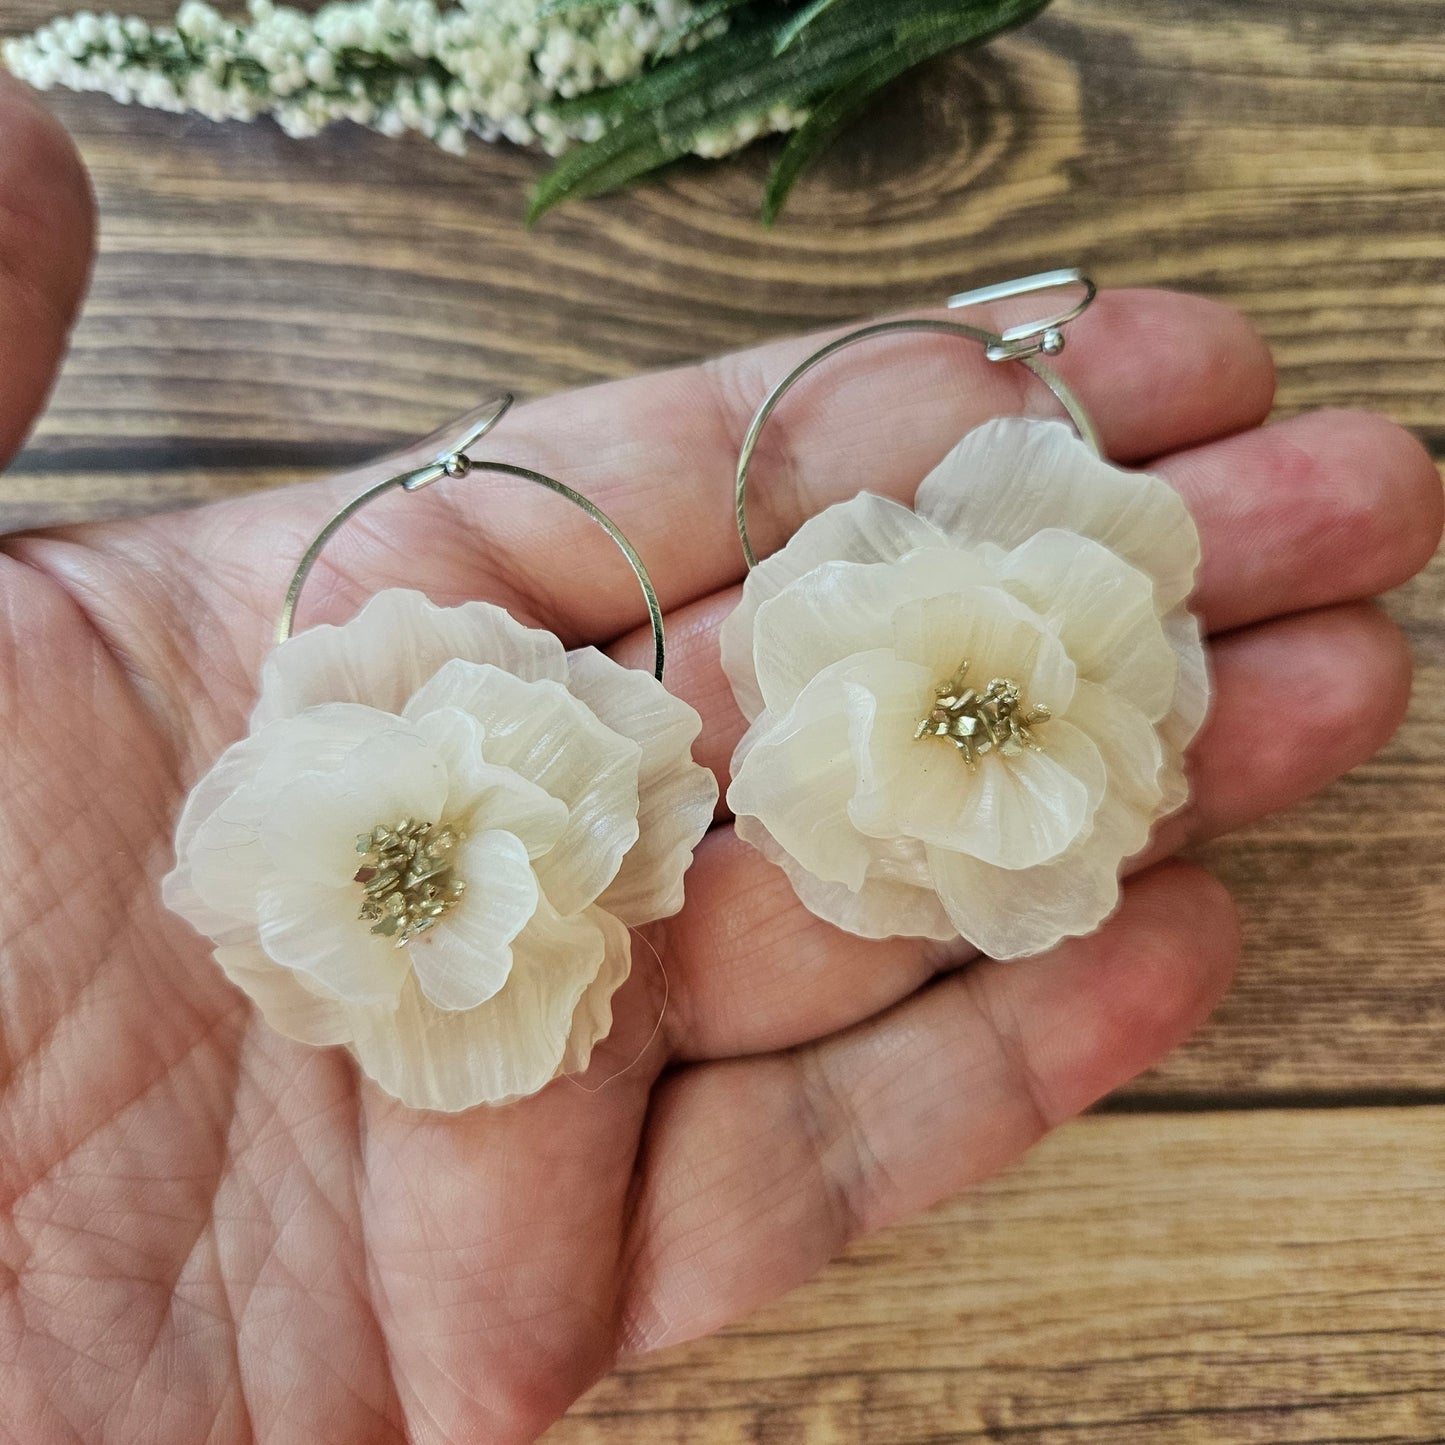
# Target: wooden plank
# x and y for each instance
(261, 292)
(1343, 901)
(101, 494)
(1165, 1280)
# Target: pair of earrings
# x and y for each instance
(963, 718)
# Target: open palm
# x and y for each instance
(208, 1232)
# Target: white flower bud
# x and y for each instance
(499, 62)
(320, 68)
(156, 91)
(197, 21)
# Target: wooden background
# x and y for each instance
(1246, 1245)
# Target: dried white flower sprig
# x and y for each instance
(486, 68)
(639, 82)
(965, 718)
(433, 841)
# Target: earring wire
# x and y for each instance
(455, 461)
(1025, 344)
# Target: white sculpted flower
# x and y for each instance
(965, 718)
(434, 840)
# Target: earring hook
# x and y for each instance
(1024, 344)
(455, 461)
(1019, 343)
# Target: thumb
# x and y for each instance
(47, 238)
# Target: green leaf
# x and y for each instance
(654, 88)
(674, 39)
(658, 117)
(800, 23)
(916, 44)
(847, 50)
(813, 136)
(552, 8)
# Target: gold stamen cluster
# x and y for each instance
(406, 873)
(976, 723)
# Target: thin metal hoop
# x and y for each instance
(455, 462)
(1025, 344)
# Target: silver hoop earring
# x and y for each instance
(966, 715)
(433, 841)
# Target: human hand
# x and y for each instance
(209, 1232)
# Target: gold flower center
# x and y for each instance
(406, 875)
(977, 723)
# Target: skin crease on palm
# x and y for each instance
(208, 1232)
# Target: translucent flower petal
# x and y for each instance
(677, 795)
(1102, 610)
(840, 609)
(484, 796)
(466, 957)
(995, 634)
(592, 1019)
(884, 906)
(1013, 477)
(1012, 914)
(510, 1046)
(318, 740)
(1016, 812)
(1191, 697)
(1134, 760)
(1017, 914)
(866, 528)
(286, 1003)
(391, 647)
(543, 733)
(1191, 707)
(315, 930)
(220, 859)
(796, 775)
(311, 830)
(887, 698)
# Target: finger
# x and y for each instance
(1156, 370)
(1298, 702)
(1322, 508)
(1159, 371)
(695, 674)
(47, 225)
(495, 1235)
(763, 1169)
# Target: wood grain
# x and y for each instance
(264, 309)
(259, 296)
(1169, 1280)
(1342, 994)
